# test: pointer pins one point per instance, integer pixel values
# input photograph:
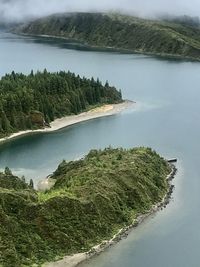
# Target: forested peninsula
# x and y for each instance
(91, 200)
(30, 102)
(165, 38)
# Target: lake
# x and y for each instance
(166, 117)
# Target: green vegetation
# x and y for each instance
(91, 200)
(32, 101)
(163, 38)
(184, 20)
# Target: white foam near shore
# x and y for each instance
(105, 110)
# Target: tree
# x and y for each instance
(31, 184)
(23, 179)
(106, 84)
(7, 171)
(53, 94)
(5, 122)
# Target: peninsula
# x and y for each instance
(92, 200)
(163, 38)
(34, 101)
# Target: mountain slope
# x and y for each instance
(121, 32)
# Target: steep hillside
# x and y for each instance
(92, 199)
(121, 32)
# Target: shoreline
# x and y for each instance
(76, 259)
(57, 124)
(114, 49)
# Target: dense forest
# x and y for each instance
(178, 38)
(91, 200)
(32, 101)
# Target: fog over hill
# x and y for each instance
(17, 10)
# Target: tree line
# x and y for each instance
(34, 100)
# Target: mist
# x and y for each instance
(19, 10)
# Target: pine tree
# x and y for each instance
(31, 184)
(7, 171)
(23, 179)
(5, 122)
(53, 94)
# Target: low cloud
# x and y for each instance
(17, 10)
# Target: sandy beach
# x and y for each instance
(105, 110)
(68, 261)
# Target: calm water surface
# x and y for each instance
(166, 117)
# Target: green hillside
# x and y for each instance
(92, 199)
(168, 39)
(33, 101)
